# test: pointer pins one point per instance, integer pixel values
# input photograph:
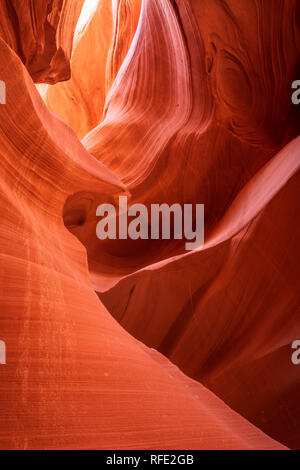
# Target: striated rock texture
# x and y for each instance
(41, 33)
(174, 101)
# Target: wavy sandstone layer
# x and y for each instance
(175, 101)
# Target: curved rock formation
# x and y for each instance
(41, 33)
(183, 102)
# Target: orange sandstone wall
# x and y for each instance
(173, 101)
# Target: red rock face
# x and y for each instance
(41, 33)
(186, 102)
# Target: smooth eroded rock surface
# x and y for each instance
(141, 344)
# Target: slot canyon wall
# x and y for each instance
(140, 344)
